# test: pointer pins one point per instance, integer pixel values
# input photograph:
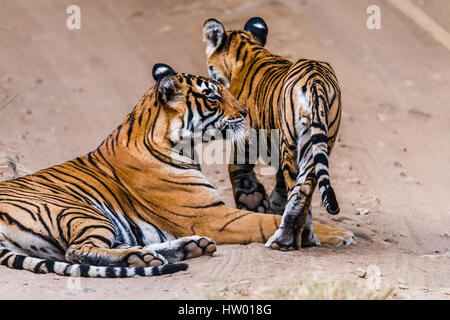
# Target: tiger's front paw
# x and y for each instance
(195, 246)
(339, 239)
(334, 236)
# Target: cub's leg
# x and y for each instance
(296, 227)
(91, 237)
(278, 197)
(249, 193)
(184, 248)
(278, 201)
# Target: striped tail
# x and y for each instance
(17, 261)
(319, 141)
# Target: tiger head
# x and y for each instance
(198, 107)
(226, 50)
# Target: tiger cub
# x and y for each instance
(301, 100)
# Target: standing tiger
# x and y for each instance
(134, 206)
(302, 101)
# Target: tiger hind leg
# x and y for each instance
(249, 193)
(91, 243)
(278, 201)
(132, 257)
(184, 248)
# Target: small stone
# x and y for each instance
(362, 211)
(137, 13)
(37, 82)
(390, 238)
(202, 285)
(403, 174)
(360, 272)
(437, 256)
(355, 181)
(381, 117)
(165, 28)
(395, 163)
(402, 284)
(419, 113)
(385, 105)
(221, 288)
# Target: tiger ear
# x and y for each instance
(258, 28)
(160, 70)
(169, 89)
(213, 34)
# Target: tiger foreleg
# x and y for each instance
(278, 197)
(228, 225)
(249, 193)
(184, 248)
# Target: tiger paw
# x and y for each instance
(196, 246)
(251, 195)
(341, 239)
(282, 240)
(144, 258)
(333, 236)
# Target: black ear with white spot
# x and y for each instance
(213, 34)
(160, 70)
(258, 28)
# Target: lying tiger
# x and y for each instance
(134, 206)
(301, 100)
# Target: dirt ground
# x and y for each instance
(392, 156)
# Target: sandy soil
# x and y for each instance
(392, 157)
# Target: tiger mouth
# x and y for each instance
(235, 123)
(235, 129)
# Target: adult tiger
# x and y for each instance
(303, 101)
(133, 206)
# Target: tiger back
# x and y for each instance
(301, 100)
